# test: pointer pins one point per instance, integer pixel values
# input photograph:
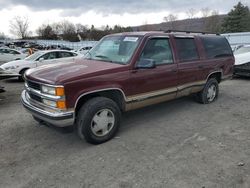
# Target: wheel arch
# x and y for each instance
(216, 74)
(24, 69)
(115, 94)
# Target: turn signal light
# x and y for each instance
(61, 104)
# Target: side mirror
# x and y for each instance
(146, 64)
(41, 59)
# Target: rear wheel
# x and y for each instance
(98, 120)
(209, 93)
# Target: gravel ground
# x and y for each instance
(175, 144)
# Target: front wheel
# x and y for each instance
(98, 120)
(209, 93)
(21, 77)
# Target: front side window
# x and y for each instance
(34, 57)
(158, 50)
(14, 52)
(186, 49)
(114, 49)
(216, 47)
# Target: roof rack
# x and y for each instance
(189, 32)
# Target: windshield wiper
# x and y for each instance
(105, 58)
(102, 56)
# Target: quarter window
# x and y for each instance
(216, 47)
(186, 48)
(158, 49)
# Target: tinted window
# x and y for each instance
(216, 47)
(158, 49)
(186, 48)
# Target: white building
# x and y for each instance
(238, 38)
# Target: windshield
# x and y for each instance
(242, 50)
(114, 49)
(34, 56)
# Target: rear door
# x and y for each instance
(189, 65)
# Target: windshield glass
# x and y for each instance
(34, 56)
(242, 50)
(114, 49)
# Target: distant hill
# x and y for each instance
(209, 24)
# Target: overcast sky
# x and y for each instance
(103, 12)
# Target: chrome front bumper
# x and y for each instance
(57, 118)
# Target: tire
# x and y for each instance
(22, 72)
(209, 93)
(98, 120)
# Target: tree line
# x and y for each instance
(237, 20)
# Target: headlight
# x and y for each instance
(57, 91)
(11, 67)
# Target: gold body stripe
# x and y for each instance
(154, 97)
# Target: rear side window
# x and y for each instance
(65, 54)
(186, 48)
(216, 47)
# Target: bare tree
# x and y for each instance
(191, 13)
(19, 27)
(213, 24)
(46, 32)
(2, 36)
(205, 12)
(171, 18)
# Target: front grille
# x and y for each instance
(35, 97)
(33, 85)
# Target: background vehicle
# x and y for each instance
(242, 49)
(84, 50)
(40, 58)
(242, 61)
(125, 72)
(7, 54)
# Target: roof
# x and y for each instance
(149, 33)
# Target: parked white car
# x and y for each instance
(242, 61)
(7, 54)
(40, 58)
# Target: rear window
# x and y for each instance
(216, 47)
(187, 50)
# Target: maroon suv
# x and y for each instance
(124, 72)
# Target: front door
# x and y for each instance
(154, 78)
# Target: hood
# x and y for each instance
(242, 58)
(14, 63)
(61, 73)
